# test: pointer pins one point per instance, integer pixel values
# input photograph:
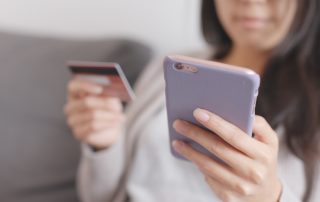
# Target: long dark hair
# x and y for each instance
(290, 86)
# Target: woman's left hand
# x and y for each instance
(250, 170)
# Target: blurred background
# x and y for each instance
(166, 25)
(38, 154)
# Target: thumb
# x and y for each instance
(263, 132)
(78, 87)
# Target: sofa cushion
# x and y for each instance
(38, 155)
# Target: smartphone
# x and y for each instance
(226, 90)
(107, 74)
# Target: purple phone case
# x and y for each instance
(225, 90)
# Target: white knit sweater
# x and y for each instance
(140, 168)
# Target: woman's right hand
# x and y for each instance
(95, 119)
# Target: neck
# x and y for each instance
(247, 57)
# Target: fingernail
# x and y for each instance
(201, 115)
(177, 145)
(180, 126)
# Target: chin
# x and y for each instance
(256, 43)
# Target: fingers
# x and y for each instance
(108, 118)
(77, 87)
(231, 144)
(221, 173)
(216, 146)
(228, 132)
(83, 131)
(250, 169)
(98, 128)
(221, 190)
(93, 103)
(239, 162)
(94, 117)
(263, 132)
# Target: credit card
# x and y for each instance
(107, 74)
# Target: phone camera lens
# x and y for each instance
(179, 66)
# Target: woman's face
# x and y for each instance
(257, 24)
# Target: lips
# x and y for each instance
(252, 22)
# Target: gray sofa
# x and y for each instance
(38, 155)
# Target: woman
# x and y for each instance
(130, 160)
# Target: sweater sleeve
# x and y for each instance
(287, 194)
(100, 173)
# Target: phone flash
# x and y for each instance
(186, 68)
